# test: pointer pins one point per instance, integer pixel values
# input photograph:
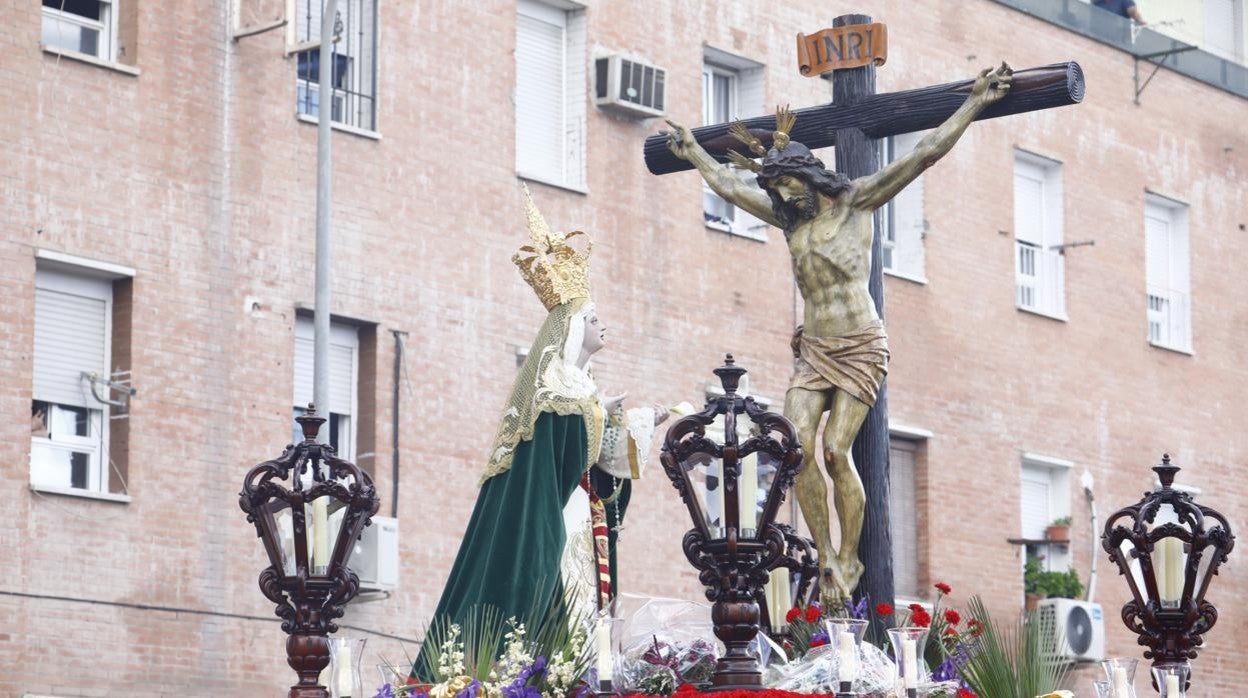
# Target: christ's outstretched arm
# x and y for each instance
(875, 190)
(721, 179)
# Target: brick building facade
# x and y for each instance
(173, 177)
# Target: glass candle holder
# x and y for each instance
(1171, 679)
(1120, 673)
(1102, 689)
(345, 680)
(845, 636)
(908, 645)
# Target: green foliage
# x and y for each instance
(1062, 521)
(1011, 662)
(1052, 585)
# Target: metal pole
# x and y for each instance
(324, 115)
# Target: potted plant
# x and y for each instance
(1059, 530)
(1033, 587)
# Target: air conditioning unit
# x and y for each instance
(376, 556)
(630, 87)
(1078, 628)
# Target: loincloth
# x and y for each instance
(855, 362)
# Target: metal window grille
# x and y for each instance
(354, 62)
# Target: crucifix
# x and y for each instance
(829, 222)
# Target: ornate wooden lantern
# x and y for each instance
(1169, 548)
(302, 503)
(733, 491)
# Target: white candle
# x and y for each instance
(1172, 686)
(848, 656)
(784, 594)
(909, 664)
(320, 534)
(343, 680)
(1120, 683)
(748, 501)
(1174, 569)
(605, 666)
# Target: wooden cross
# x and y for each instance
(852, 121)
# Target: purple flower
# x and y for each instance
(386, 691)
(859, 610)
(539, 665)
(470, 691)
(821, 635)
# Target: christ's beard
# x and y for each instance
(804, 207)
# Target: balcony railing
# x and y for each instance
(1169, 318)
(1040, 277)
(1109, 28)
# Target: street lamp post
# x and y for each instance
(734, 542)
(1169, 549)
(309, 508)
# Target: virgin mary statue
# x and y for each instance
(559, 474)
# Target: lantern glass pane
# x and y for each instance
(1126, 549)
(706, 474)
(1207, 555)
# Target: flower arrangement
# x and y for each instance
(492, 657)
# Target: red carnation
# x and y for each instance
(793, 614)
(966, 693)
(952, 617)
(883, 609)
(818, 642)
(943, 588)
(812, 615)
(921, 618)
(951, 632)
(975, 626)
(916, 607)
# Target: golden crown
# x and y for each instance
(556, 271)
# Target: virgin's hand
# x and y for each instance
(614, 402)
(661, 414)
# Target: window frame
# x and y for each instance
(1057, 474)
(365, 124)
(1046, 257)
(106, 50)
(85, 283)
(714, 63)
(1179, 243)
(916, 445)
(340, 334)
(889, 220)
(573, 95)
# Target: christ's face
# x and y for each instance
(796, 195)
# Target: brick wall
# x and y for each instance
(197, 174)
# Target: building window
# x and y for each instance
(550, 94)
(1045, 497)
(1224, 29)
(344, 361)
(1166, 252)
(732, 88)
(1038, 263)
(68, 423)
(903, 221)
(82, 26)
(903, 515)
(354, 62)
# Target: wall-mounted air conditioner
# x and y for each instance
(376, 556)
(630, 87)
(1078, 626)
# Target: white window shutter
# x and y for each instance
(71, 336)
(540, 91)
(907, 210)
(1028, 203)
(576, 65)
(903, 519)
(1157, 247)
(343, 345)
(1036, 512)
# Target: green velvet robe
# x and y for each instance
(510, 554)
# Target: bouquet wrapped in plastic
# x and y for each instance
(664, 643)
(818, 672)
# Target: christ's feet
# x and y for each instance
(851, 570)
(833, 592)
